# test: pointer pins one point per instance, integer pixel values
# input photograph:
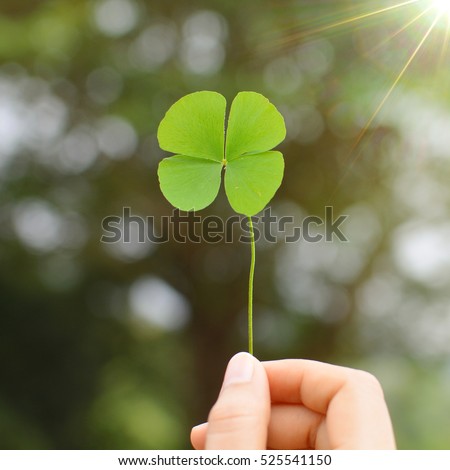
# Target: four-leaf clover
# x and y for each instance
(194, 130)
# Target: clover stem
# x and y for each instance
(250, 287)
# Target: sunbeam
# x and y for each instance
(401, 15)
(351, 159)
(445, 45)
(295, 37)
(395, 21)
(399, 31)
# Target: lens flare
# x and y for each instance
(419, 28)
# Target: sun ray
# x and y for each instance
(351, 158)
(268, 43)
(399, 31)
(313, 24)
(297, 36)
(445, 45)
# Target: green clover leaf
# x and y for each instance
(194, 130)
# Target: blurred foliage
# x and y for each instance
(124, 345)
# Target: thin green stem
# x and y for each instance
(250, 287)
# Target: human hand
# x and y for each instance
(296, 404)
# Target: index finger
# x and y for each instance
(310, 383)
(351, 401)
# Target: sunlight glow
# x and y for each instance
(428, 41)
(442, 5)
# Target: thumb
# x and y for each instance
(240, 417)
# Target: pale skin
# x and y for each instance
(295, 404)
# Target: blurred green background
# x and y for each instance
(124, 346)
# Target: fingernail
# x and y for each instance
(199, 426)
(239, 370)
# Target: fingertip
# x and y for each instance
(239, 370)
(198, 436)
(239, 419)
